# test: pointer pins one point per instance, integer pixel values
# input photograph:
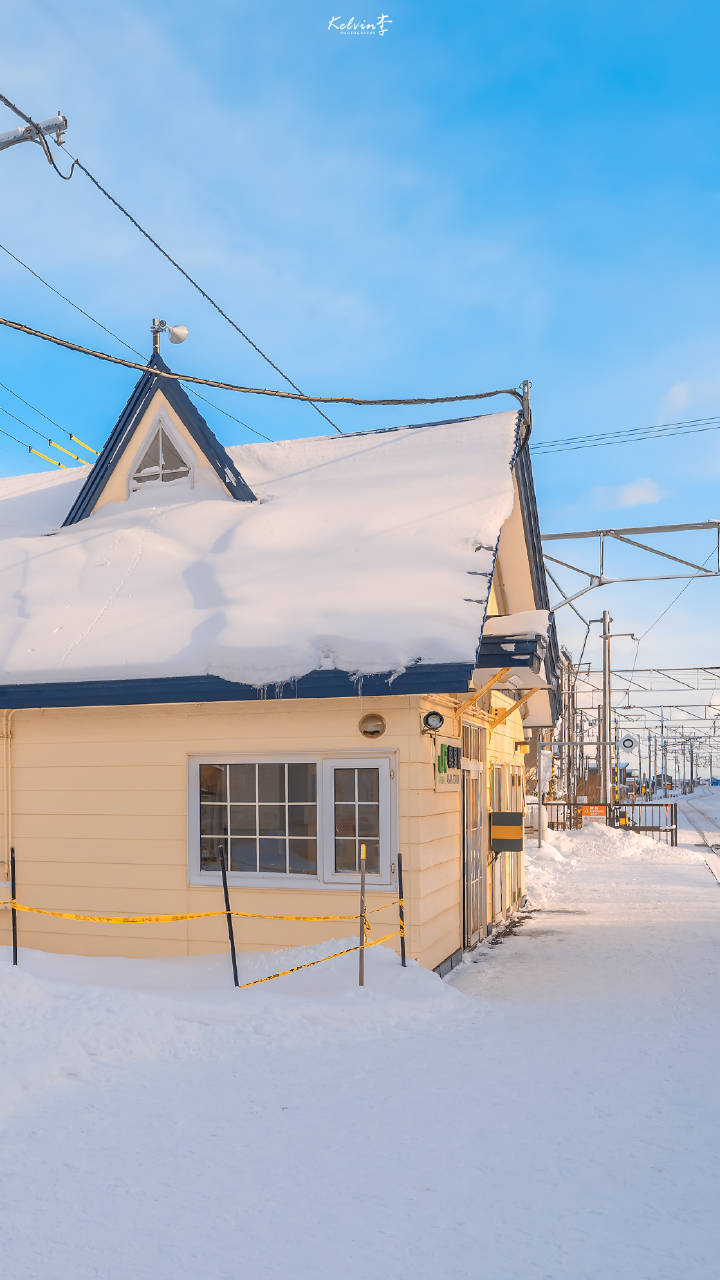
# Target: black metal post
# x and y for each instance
(228, 913)
(13, 912)
(363, 918)
(401, 912)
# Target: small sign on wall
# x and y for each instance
(448, 764)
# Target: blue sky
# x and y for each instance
(484, 194)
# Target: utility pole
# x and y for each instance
(605, 735)
(29, 133)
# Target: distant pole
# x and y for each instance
(616, 797)
(607, 711)
(13, 912)
(401, 911)
(363, 917)
(228, 914)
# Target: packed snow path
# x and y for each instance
(550, 1112)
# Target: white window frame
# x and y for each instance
(160, 423)
(327, 877)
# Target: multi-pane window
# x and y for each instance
(357, 818)
(471, 741)
(262, 816)
(295, 818)
(517, 788)
(161, 462)
(500, 792)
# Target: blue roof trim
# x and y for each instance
(511, 651)
(142, 393)
(424, 677)
(445, 677)
(531, 524)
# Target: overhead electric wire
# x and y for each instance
(77, 164)
(254, 391)
(122, 342)
(84, 461)
(69, 301)
(47, 419)
(30, 448)
(677, 597)
(203, 293)
(627, 435)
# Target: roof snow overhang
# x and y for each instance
(444, 677)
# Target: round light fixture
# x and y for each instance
(372, 725)
(177, 333)
(432, 721)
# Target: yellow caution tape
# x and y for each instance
(310, 963)
(169, 919)
(258, 915)
(71, 915)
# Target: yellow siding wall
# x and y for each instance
(99, 802)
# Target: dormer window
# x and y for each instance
(161, 463)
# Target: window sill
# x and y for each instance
(213, 880)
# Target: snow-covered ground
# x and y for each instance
(549, 1112)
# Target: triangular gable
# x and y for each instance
(126, 426)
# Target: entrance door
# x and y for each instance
(473, 835)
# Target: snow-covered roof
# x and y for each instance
(365, 553)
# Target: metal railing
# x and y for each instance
(656, 819)
(563, 816)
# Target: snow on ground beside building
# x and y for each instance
(549, 1112)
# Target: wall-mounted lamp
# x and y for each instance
(432, 721)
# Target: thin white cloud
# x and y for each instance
(641, 492)
(676, 399)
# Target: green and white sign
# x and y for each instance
(448, 764)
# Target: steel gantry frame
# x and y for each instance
(601, 579)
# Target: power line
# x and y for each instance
(76, 163)
(117, 338)
(676, 598)
(84, 461)
(69, 301)
(255, 391)
(30, 449)
(627, 435)
(47, 419)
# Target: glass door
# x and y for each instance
(474, 842)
